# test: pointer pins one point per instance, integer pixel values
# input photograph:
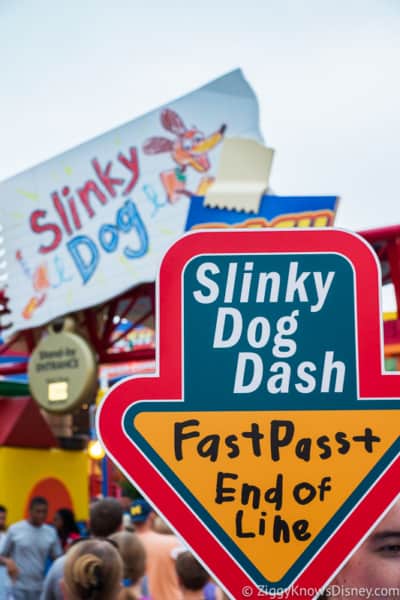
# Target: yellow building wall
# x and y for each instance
(22, 469)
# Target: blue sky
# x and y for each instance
(325, 73)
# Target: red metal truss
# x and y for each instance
(101, 324)
(386, 243)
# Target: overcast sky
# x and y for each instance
(325, 72)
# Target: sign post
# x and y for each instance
(269, 438)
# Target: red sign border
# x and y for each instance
(167, 385)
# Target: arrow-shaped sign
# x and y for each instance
(269, 438)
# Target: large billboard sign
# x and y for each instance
(269, 436)
(90, 223)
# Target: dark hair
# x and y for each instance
(68, 524)
(93, 570)
(3, 508)
(105, 517)
(190, 572)
(38, 501)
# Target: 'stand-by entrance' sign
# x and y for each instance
(270, 437)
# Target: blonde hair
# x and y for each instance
(132, 553)
(93, 571)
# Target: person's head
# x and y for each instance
(191, 575)
(125, 501)
(38, 509)
(105, 517)
(161, 526)
(132, 553)
(376, 563)
(92, 571)
(3, 518)
(64, 521)
(142, 514)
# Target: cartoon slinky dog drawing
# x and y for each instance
(188, 149)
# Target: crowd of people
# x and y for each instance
(130, 554)
(127, 553)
